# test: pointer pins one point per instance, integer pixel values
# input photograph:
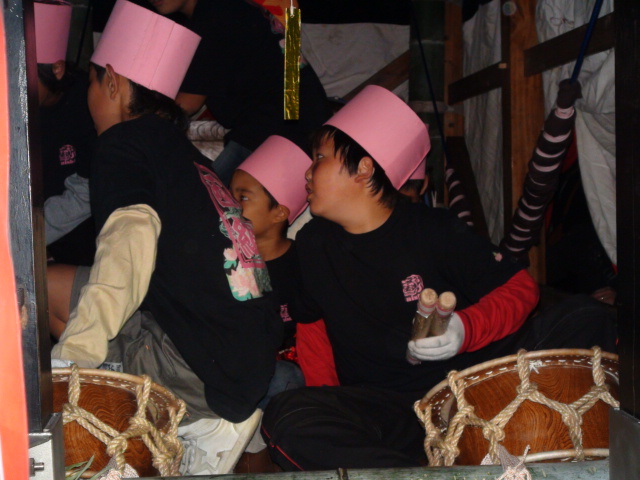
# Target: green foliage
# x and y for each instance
(75, 471)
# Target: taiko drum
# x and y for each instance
(561, 375)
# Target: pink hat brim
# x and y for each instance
(420, 172)
(146, 47)
(52, 24)
(388, 129)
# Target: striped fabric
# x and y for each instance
(544, 170)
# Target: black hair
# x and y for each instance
(351, 152)
(273, 203)
(414, 185)
(144, 100)
(51, 82)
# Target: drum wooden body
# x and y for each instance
(111, 397)
(562, 376)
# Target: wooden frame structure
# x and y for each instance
(518, 76)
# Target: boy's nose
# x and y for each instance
(307, 174)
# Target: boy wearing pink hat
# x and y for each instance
(365, 259)
(67, 137)
(178, 289)
(269, 186)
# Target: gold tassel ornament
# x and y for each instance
(292, 64)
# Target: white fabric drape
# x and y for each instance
(595, 122)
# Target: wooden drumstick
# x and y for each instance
(444, 309)
(423, 318)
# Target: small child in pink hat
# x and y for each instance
(365, 258)
(178, 289)
(269, 186)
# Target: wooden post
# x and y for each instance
(429, 20)
(522, 114)
(25, 207)
(453, 121)
(627, 65)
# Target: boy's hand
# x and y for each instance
(441, 347)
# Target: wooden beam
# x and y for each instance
(565, 48)
(525, 118)
(453, 122)
(388, 77)
(627, 103)
(595, 470)
(505, 50)
(494, 76)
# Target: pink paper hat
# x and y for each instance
(147, 48)
(279, 165)
(52, 23)
(420, 172)
(387, 128)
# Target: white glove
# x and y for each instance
(441, 347)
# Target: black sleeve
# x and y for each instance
(208, 71)
(80, 124)
(221, 50)
(121, 176)
(304, 308)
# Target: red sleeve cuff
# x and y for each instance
(467, 330)
(500, 313)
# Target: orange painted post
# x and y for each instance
(14, 442)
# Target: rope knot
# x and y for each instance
(493, 433)
(166, 449)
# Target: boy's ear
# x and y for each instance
(282, 214)
(111, 78)
(58, 69)
(365, 169)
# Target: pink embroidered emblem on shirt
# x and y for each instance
(67, 155)
(284, 313)
(412, 286)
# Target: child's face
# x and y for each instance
(254, 201)
(329, 185)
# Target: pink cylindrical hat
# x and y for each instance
(387, 128)
(279, 165)
(147, 48)
(420, 172)
(52, 23)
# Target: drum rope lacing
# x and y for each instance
(165, 447)
(443, 452)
